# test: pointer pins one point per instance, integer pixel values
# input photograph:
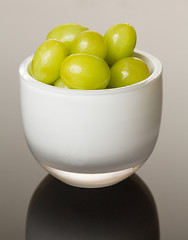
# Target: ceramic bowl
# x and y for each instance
(92, 138)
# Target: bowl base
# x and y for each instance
(91, 180)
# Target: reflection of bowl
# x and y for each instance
(92, 138)
(123, 211)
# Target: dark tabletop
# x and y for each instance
(153, 203)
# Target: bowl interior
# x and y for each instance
(154, 65)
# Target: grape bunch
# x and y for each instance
(78, 58)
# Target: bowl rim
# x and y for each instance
(157, 71)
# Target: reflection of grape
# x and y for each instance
(47, 61)
(59, 83)
(89, 42)
(83, 71)
(128, 71)
(66, 33)
(121, 41)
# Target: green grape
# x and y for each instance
(66, 33)
(121, 41)
(83, 71)
(47, 61)
(29, 69)
(59, 83)
(128, 71)
(89, 42)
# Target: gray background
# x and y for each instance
(162, 30)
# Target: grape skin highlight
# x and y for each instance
(83, 71)
(128, 71)
(66, 33)
(45, 66)
(121, 41)
(89, 42)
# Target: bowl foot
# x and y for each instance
(91, 180)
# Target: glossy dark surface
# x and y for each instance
(123, 211)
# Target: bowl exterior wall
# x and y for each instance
(92, 133)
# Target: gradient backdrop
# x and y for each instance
(162, 30)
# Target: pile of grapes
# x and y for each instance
(74, 57)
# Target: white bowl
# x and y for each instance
(92, 138)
